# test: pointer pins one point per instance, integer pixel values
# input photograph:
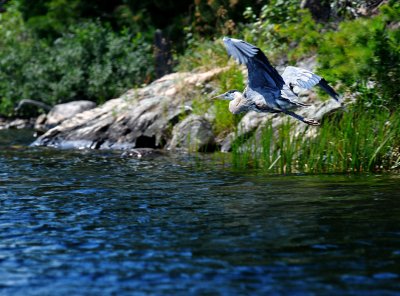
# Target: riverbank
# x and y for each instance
(176, 112)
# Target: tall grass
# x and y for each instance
(355, 141)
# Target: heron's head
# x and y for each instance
(229, 95)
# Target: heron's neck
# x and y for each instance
(238, 96)
(237, 105)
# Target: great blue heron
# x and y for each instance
(266, 90)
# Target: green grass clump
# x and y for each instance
(355, 141)
(359, 140)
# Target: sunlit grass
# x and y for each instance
(355, 141)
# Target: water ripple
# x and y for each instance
(88, 223)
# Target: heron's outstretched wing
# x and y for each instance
(303, 78)
(261, 72)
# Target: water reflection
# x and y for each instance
(96, 223)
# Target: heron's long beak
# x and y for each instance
(221, 96)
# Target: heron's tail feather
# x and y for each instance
(326, 87)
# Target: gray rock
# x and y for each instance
(247, 125)
(61, 112)
(226, 143)
(140, 118)
(194, 133)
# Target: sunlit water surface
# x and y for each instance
(95, 223)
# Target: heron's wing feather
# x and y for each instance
(300, 77)
(261, 72)
(306, 79)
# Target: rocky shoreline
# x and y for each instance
(157, 116)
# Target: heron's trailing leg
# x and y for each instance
(301, 118)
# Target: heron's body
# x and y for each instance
(266, 90)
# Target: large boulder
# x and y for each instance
(194, 133)
(140, 118)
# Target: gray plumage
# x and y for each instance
(267, 90)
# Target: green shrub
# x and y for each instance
(366, 52)
(280, 27)
(89, 61)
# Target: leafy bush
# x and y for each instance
(89, 61)
(366, 52)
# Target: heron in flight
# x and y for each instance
(266, 90)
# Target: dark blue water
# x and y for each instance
(95, 223)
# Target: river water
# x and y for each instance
(96, 223)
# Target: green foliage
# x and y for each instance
(301, 44)
(201, 55)
(356, 141)
(262, 30)
(13, 39)
(49, 18)
(366, 52)
(89, 61)
(274, 12)
(283, 29)
(360, 54)
(224, 121)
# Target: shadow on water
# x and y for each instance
(91, 222)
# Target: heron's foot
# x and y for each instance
(311, 121)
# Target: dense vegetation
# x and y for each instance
(57, 50)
